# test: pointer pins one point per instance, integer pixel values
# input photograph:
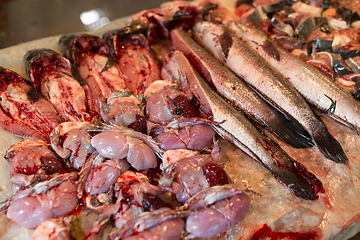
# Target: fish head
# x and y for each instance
(84, 43)
(7, 77)
(217, 39)
(32, 55)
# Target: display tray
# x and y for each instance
(336, 214)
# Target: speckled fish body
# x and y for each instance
(235, 90)
(236, 128)
(245, 62)
(313, 85)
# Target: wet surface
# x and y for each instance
(26, 20)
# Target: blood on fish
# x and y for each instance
(52, 165)
(27, 169)
(152, 202)
(154, 175)
(215, 175)
(139, 124)
(267, 233)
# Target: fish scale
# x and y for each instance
(269, 83)
(313, 85)
(235, 90)
(236, 128)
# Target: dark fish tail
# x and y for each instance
(290, 131)
(286, 127)
(329, 146)
(300, 181)
(216, 74)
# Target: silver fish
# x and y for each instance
(239, 93)
(268, 82)
(236, 128)
(313, 85)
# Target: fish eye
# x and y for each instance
(146, 206)
(10, 155)
(178, 111)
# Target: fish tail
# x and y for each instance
(303, 184)
(295, 176)
(330, 147)
(290, 131)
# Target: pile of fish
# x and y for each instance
(324, 34)
(125, 128)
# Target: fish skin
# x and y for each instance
(236, 128)
(88, 55)
(24, 112)
(133, 58)
(239, 93)
(268, 82)
(51, 74)
(317, 88)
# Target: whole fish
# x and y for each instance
(313, 85)
(268, 82)
(239, 93)
(236, 128)
(156, 23)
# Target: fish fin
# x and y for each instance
(110, 62)
(268, 100)
(290, 131)
(352, 126)
(326, 143)
(331, 109)
(270, 49)
(302, 183)
(330, 147)
(223, 133)
(288, 172)
(76, 74)
(226, 41)
(208, 8)
(286, 127)
(295, 176)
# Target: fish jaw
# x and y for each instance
(101, 83)
(67, 95)
(139, 69)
